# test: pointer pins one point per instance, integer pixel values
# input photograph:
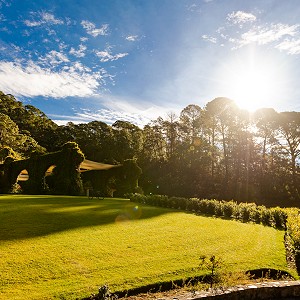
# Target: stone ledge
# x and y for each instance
(257, 291)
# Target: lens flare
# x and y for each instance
(129, 213)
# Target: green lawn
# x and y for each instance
(54, 247)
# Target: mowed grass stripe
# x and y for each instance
(55, 247)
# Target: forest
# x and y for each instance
(218, 151)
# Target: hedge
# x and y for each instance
(246, 212)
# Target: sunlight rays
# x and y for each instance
(253, 81)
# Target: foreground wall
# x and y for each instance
(258, 291)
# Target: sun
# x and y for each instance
(253, 83)
(251, 88)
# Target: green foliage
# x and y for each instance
(65, 180)
(127, 177)
(245, 212)
(33, 124)
(16, 189)
(212, 264)
(293, 232)
(7, 151)
(215, 152)
(104, 293)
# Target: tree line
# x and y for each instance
(217, 151)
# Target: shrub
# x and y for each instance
(192, 204)
(16, 189)
(255, 215)
(279, 217)
(293, 232)
(245, 212)
(266, 217)
(228, 208)
(207, 206)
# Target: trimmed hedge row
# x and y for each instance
(246, 212)
(293, 234)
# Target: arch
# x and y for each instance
(67, 179)
(47, 182)
(23, 175)
(65, 167)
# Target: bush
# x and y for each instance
(279, 217)
(293, 233)
(245, 212)
(266, 217)
(228, 208)
(192, 204)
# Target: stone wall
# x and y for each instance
(258, 291)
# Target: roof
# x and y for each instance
(86, 165)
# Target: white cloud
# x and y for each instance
(113, 108)
(55, 58)
(106, 55)
(32, 80)
(79, 52)
(32, 23)
(44, 18)
(69, 21)
(83, 39)
(92, 30)
(78, 66)
(265, 35)
(5, 2)
(62, 46)
(290, 46)
(121, 111)
(209, 39)
(50, 19)
(16, 48)
(131, 38)
(109, 116)
(284, 37)
(238, 17)
(51, 32)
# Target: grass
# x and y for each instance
(54, 247)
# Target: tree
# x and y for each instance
(265, 122)
(191, 120)
(7, 151)
(221, 119)
(170, 129)
(9, 132)
(289, 129)
(11, 137)
(128, 140)
(28, 118)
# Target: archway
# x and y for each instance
(47, 182)
(66, 177)
(23, 176)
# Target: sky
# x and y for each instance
(136, 60)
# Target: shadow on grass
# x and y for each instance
(23, 217)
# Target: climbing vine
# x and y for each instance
(65, 179)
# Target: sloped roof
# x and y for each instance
(89, 165)
(86, 165)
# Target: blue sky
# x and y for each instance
(135, 60)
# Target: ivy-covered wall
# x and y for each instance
(65, 179)
(116, 181)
